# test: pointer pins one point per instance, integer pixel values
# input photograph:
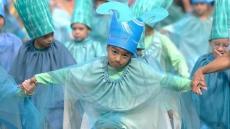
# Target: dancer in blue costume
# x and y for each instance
(157, 45)
(83, 47)
(117, 91)
(191, 33)
(41, 54)
(213, 104)
(9, 43)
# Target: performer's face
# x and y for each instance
(2, 22)
(201, 9)
(118, 57)
(220, 46)
(44, 41)
(79, 31)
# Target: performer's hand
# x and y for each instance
(28, 86)
(218, 54)
(198, 84)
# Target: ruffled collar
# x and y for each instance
(135, 86)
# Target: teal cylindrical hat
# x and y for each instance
(82, 12)
(221, 20)
(158, 7)
(36, 17)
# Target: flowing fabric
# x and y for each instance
(82, 51)
(86, 50)
(31, 61)
(211, 110)
(9, 46)
(191, 36)
(160, 50)
(10, 98)
(130, 102)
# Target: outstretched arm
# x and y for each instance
(53, 77)
(178, 83)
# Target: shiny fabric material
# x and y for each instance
(217, 95)
(36, 17)
(106, 99)
(221, 16)
(119, 102)
(86, 50)
(161, 48)
(80, 15)
(211, 109)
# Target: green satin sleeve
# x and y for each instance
(53, 77)
(176, 82)
(175, 56)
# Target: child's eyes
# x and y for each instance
(221, 45)
(126, 56)
(114, 52)
(81, 29)
(226, 45)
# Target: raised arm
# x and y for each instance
(218, 64)
(176, 58)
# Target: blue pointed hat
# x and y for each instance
(125, 31)
(125, 35)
